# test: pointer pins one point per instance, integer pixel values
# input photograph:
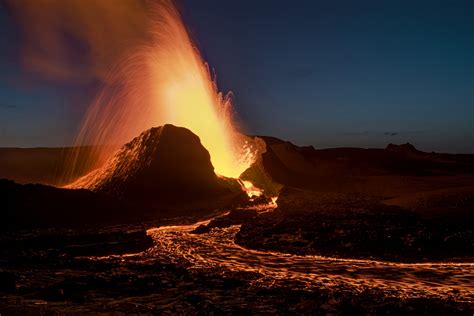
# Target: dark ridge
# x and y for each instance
(373, 171)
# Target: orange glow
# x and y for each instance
(166, 81)
(274, 201)
(250, 189)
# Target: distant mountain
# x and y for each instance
(404, 148)
(374, 171)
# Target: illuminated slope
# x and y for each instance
(163, 164)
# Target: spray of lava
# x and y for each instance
(151, 71)
(166, 81)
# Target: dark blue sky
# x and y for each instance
(327, 73)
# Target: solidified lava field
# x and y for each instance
(199, 268)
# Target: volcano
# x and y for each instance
(164, 172)
(162, 165)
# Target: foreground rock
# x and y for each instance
(153, 282)
(36, 205)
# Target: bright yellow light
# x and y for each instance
(166, 81)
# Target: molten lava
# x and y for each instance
(151, 71)
(166, 81)
(250, 189)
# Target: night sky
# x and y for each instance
(323, 73)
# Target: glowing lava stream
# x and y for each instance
(251, 189)
(217, 252)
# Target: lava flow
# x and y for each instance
(250, 189)
(216, 252)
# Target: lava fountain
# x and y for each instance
(165, 80)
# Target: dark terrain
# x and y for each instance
(396, 204)
(69, 251)
(354, 226)
(148, 179)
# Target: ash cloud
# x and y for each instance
(77, 39)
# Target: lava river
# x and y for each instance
(216, 252)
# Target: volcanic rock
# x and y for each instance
(37, 205)
(405, 148)
(163, 165)
(397, 169)
(7, 281)
(360, 226)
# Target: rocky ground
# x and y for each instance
(358, 226)
(63, 270)
(45, 280)
(76, 251)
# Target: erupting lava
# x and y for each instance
(166, 81)
(151, 71)
(250, 189)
